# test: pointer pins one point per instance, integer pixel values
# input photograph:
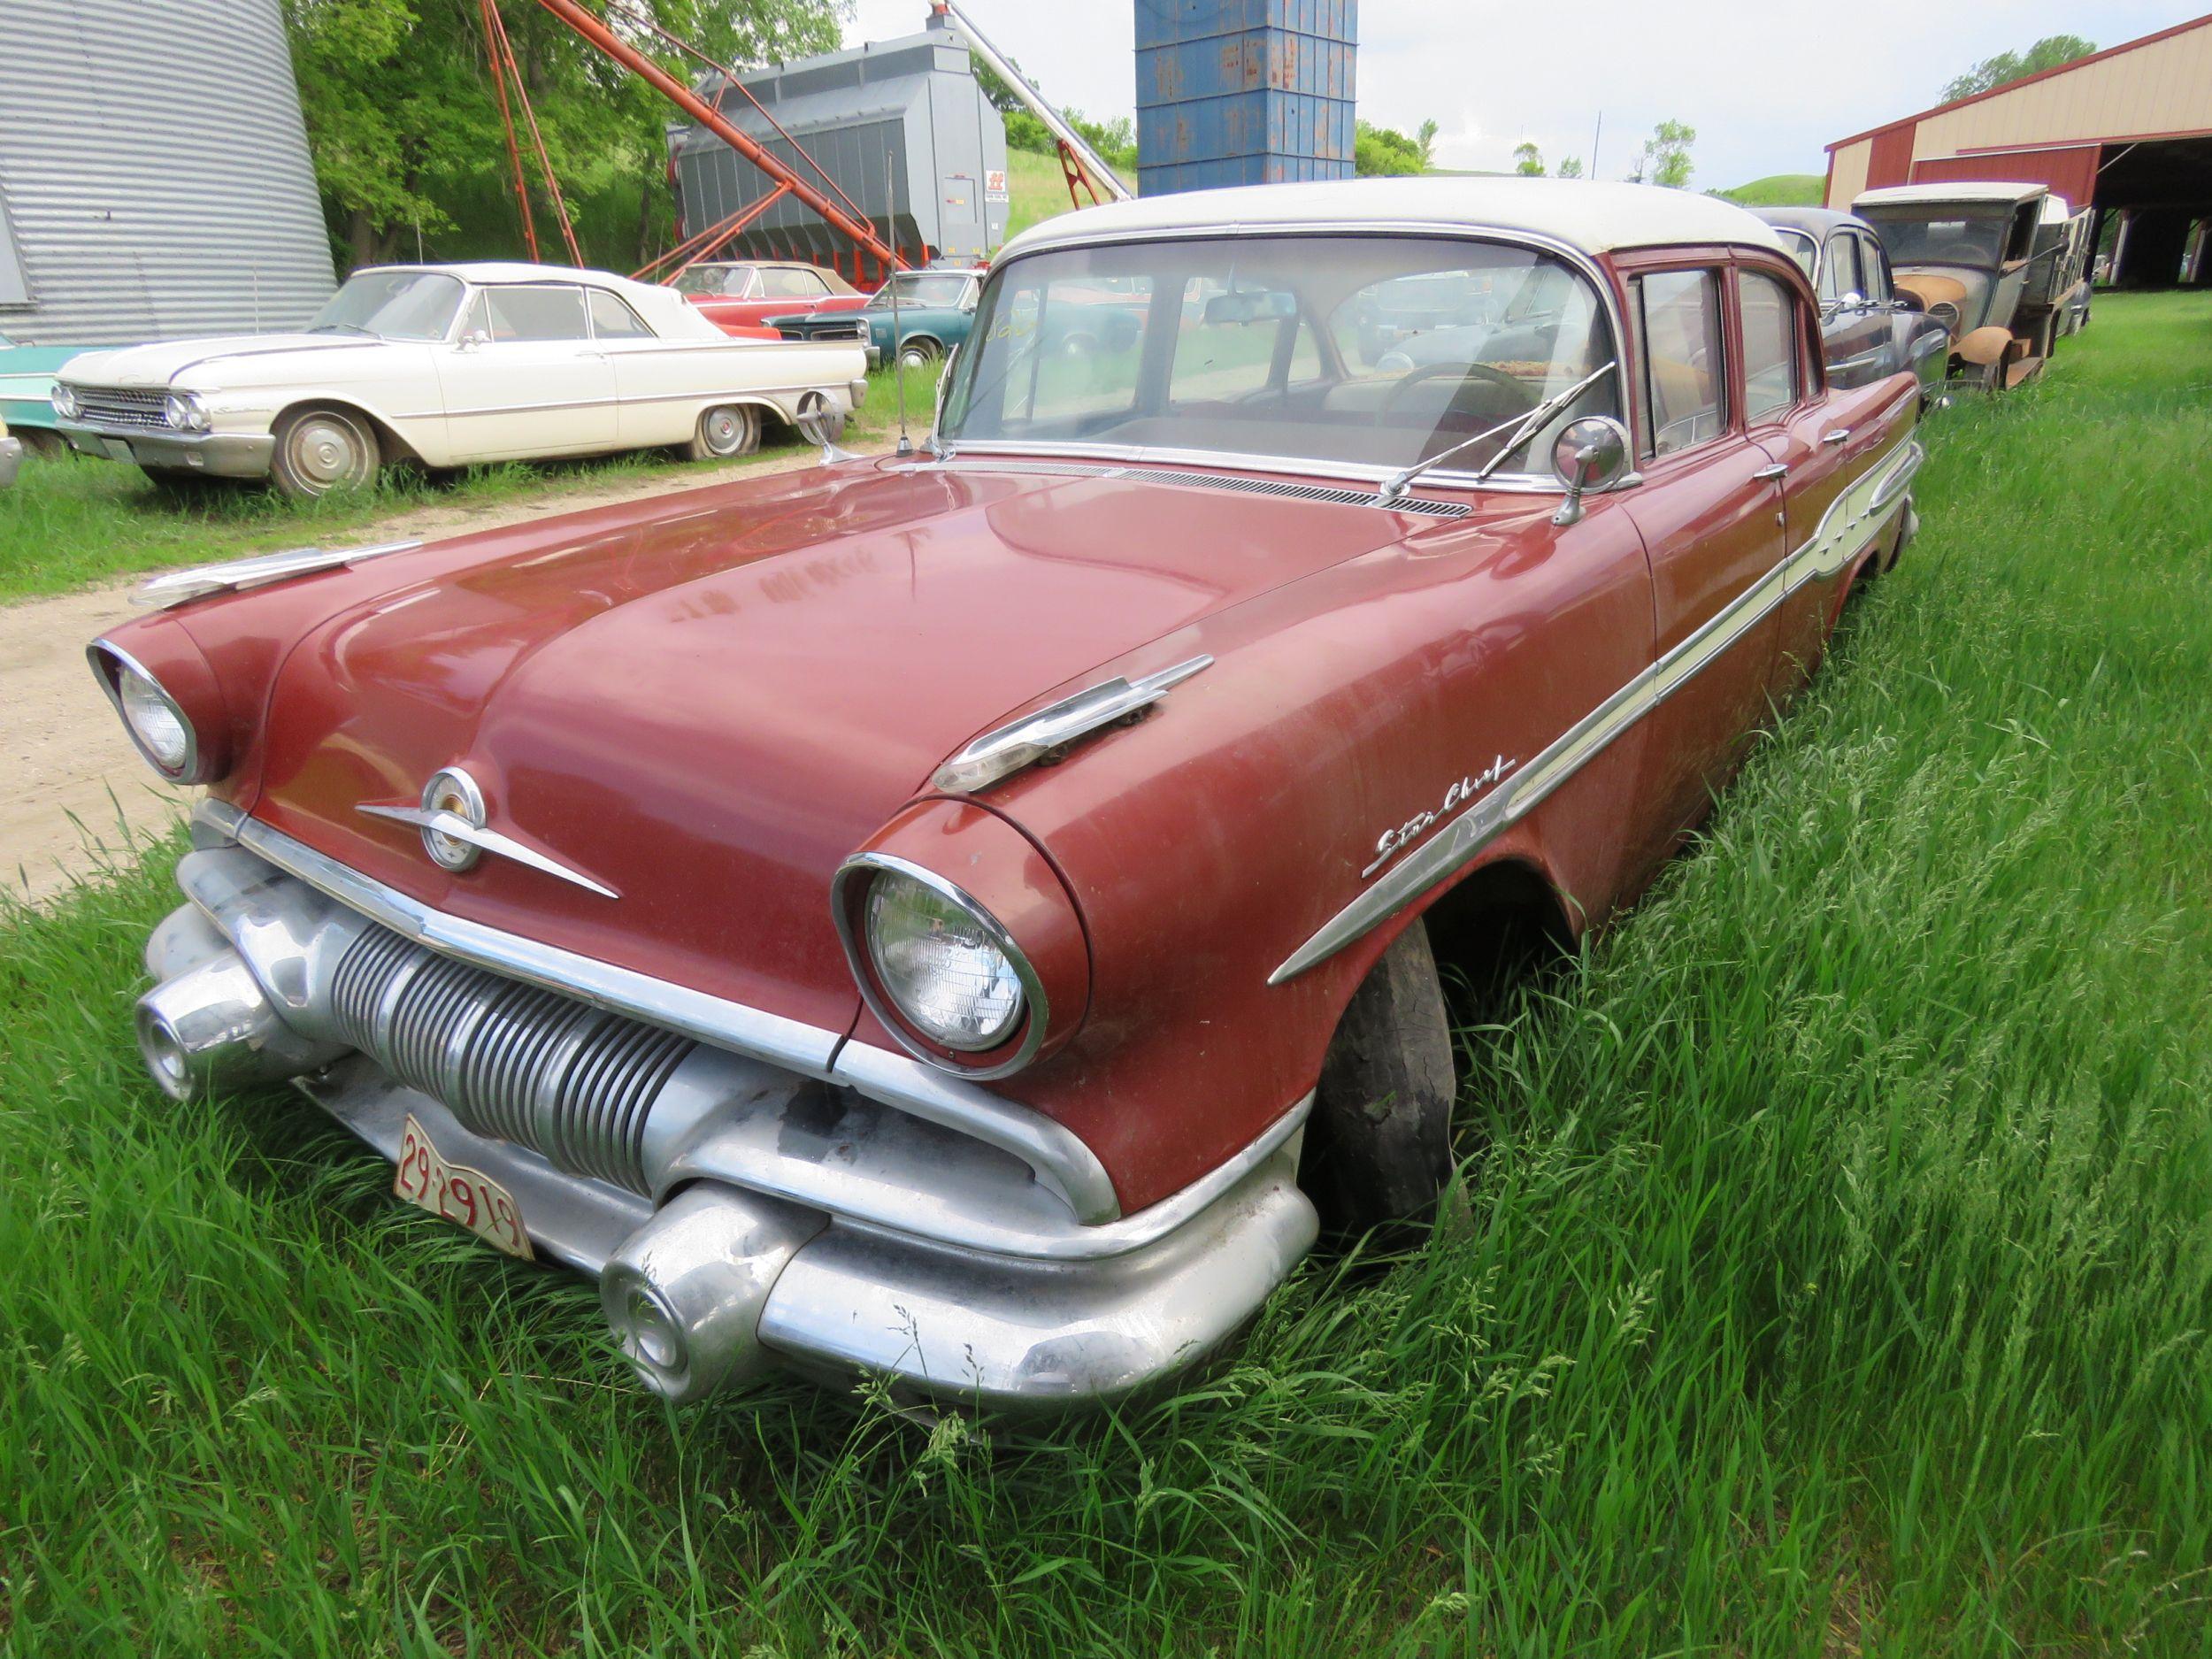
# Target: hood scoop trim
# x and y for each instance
(177, 587)
(1039, 736)
(1413, 506)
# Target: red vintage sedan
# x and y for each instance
(976, 916)
(739, 295)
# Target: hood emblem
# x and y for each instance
(452, 820)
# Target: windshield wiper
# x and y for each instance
(1519, 426)
(351, 329)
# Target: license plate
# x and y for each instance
(119, 451)
(468, 1198)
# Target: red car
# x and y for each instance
(738, 295)
(975, 915)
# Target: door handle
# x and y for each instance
(1777, 470)
(1837, 436)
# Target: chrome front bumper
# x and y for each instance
(213, 454)
(11, 460)
(830, 1213)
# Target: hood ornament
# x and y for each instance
(452, 819)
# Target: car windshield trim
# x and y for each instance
(1288, 461)
(388, 304)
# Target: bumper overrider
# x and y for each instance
(749, 1192)
(214, 454)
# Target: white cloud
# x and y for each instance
(1766, 83)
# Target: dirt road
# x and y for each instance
(78, 793)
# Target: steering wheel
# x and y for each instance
(1470, 374)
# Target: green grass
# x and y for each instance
(1781, 189)
(1836, 1278)
(72, 521)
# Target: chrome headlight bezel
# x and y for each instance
(118, 670)
(186, 411)
(1026, 1027)
(64, 398)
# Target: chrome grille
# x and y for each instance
(824, 331)
(121, 406)
(509, 1060)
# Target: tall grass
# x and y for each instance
(1835, 1272)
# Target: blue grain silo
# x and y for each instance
(1243, 91)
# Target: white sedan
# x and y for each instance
(446, 365)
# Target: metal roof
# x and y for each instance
(1585, 214)
(1900, 194)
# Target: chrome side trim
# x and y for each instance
(1037, 1014)
(1054, 1155)
(1022, 742)
(176, 587)
(454, 827)
(1851, 522)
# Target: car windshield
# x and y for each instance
(921, 288)
(1371, 351)
(392, 305)
(720, 281)
(1954, 236)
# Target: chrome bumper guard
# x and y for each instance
(834, 1215)
(215, 454)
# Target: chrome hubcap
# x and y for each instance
(323, 453)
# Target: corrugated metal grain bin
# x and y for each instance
(914, 100)
(154, 175)
(1244, 91)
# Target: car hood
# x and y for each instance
(159, 364)
(706, 703)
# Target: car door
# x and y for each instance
(526, 377)
(794, 288)
(1826, 440)
(1855, 336)
(651, 376)
(1710, 512)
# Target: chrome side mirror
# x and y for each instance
(820, 422)
(474, 338)
(1591, 453)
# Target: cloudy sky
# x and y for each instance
(1766, 83)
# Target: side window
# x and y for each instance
(1873, 271)
(613, 320)
(1769, 347)
(1683, 372)
(785, 284)
(1839, 271)
(553, 312)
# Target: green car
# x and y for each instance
(935, 311)
(27, 391)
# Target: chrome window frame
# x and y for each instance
(1316, 467)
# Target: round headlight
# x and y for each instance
(185, 412)
(65, 403)
(157, 724)
(946, 965)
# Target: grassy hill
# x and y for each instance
(1780, 190)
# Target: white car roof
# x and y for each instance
(1585, 214)
(672, 316)
(1895, 194)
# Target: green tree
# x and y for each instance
(1424, 141)
(1528, 161)
(1666, 155)
(2005, 67)
(1379, 151)
(405, 128)
(1570, 168)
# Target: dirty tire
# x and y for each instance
(318, 451)
(724, 432)
(917, 354)
(1379, 1145)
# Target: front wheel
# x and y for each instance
(723, 433)
(917, 354)
(318, 451)
(1379, 1145)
